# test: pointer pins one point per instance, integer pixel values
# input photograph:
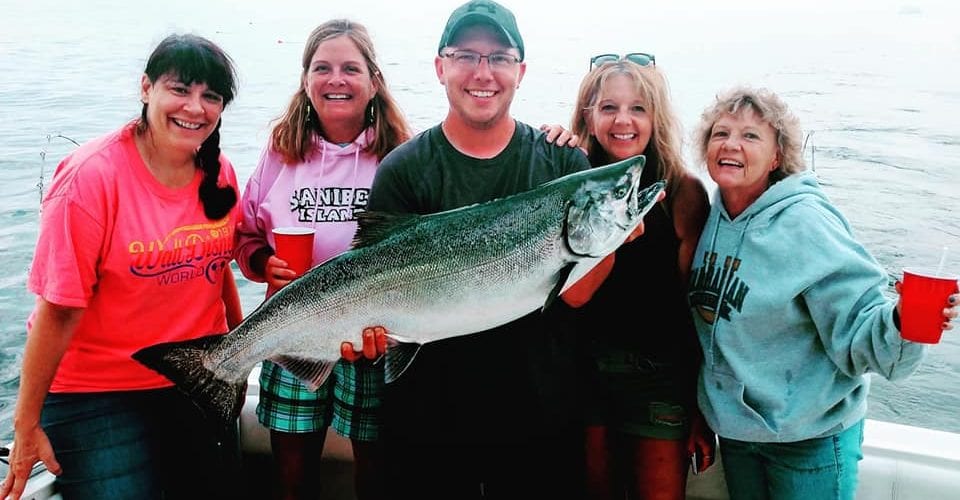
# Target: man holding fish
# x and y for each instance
(495, 414)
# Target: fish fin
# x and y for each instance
(399, 355)
(373, 227)
(311, 372)
(582, 267)
(564, 274)
(182, 363)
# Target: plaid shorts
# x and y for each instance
(349, 401)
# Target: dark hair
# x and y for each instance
(194, 59)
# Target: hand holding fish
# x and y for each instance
(404, 275)
(582, 291)
(374, 345)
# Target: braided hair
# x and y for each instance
(194, 59)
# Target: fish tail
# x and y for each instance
(182, 363)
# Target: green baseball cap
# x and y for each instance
(483, 12)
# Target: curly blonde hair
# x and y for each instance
(770, 108)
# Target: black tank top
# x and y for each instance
(644, 289)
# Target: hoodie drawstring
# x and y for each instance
(356, 165)
(728, 270)
(323, 167)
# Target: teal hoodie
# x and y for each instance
(791, 315)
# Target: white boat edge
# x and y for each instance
(900, 462)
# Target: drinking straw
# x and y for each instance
(943, 260)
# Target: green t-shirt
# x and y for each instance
(512, 382)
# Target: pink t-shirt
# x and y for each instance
(140, 257)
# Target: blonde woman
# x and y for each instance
(642, 420)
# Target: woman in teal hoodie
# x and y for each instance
(790, 311)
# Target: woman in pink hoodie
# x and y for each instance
(316, 172)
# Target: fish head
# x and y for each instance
(608, 206)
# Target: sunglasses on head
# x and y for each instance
(640, 58)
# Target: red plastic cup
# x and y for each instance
(295, 246)
(923, 297)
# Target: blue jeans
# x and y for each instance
(822, 468)
(139, 444)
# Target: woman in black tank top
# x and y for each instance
(643, 422)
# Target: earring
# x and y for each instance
(307, 120)
(371, 113)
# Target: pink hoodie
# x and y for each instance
(324, 193)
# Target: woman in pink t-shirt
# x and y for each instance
(316, 172)
(136, 237)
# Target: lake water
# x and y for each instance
(876, 82)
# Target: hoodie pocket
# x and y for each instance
(739, 414)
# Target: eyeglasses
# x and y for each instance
(469, 59)
(641, 58)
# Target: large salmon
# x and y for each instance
(424, 278)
